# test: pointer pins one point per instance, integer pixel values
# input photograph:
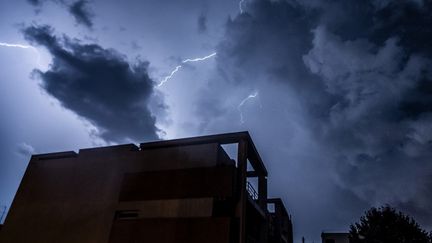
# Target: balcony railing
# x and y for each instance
(251, 190)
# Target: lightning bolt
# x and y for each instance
(169, 76)
(23, 47)
(251, 96)
(177, 68)
(15, 45)
(198, 59)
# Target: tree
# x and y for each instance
(386, 225)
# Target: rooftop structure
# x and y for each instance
(182, 190)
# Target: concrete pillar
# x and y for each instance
(242, 170)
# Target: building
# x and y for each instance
(334, 237)
(2, 214)
(279, 223)
(184, 190)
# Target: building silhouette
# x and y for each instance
(2, 214)
(334, 237)
(183, 190)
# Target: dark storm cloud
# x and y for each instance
(202, 23)
(81, 12)
(35, 2)
(99, 85)
(380, 125)
(353, 80)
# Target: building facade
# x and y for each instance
(334, 237)
(183, 190)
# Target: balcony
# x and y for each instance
(251, 191)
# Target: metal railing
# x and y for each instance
(251, 190)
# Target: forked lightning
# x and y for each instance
(177, 68)
(251, 96)
(22, 47)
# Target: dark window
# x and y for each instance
(126, 214)
(329, 241)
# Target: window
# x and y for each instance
(126, 214)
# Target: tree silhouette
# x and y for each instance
(386, 225)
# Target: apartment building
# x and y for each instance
(183, 190)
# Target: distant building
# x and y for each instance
(280, 224)
(184, 190)
(334, 237)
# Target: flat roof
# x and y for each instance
(225, 138)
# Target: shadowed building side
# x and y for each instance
(2, 215)
(184, 190)
(334, 237)
(280, 224)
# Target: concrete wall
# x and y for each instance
(67, 197)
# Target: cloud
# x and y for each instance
(375, 138)
(81, 13)
(346, 97)
(35, 2)
(99, 85)
(78, 9)
(135, 46)
(25, 149)
(202, 23)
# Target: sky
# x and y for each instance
(336, 94)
